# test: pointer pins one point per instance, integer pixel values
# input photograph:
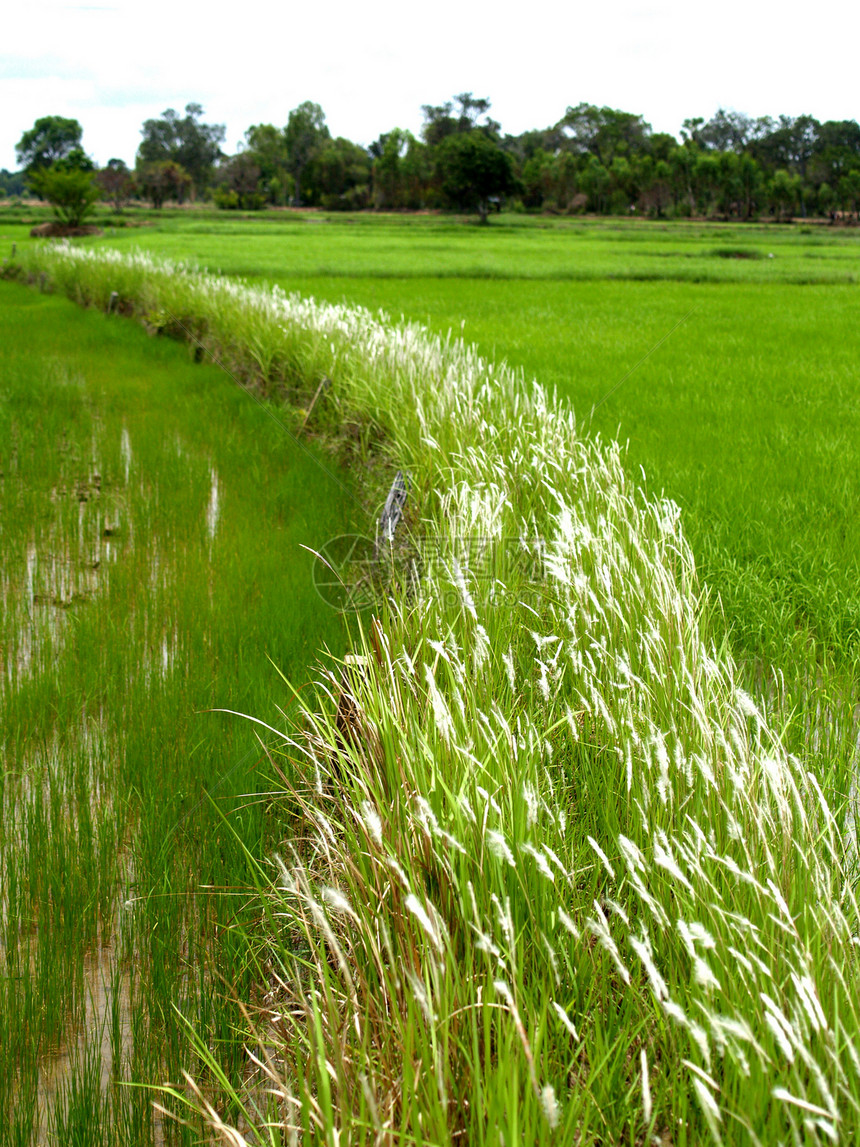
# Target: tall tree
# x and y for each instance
(838, 151)
(195, 146)
(340, 175)
(791, 143)
(727, 131)
(457, 117)
(11, 183)
(388, 153)
(474, 170)
(50, 138)
(603, 132)
(304, 134)
(163, 180)
(116, 183)
(240, 183)
(594, 181)
(266, 146)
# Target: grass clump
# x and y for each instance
(737, 253)
(557, 877)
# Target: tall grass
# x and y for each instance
(557, 877)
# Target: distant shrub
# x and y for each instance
(353, 199)
(736, 253)
(226, 198)
(72, 193)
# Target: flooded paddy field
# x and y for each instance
(152, 518)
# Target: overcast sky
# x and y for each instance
(372, 66)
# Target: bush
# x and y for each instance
(71, 192)
(354, 199)
(226, 198)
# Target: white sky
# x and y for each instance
(371, 66)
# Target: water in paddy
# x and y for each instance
(152, 519)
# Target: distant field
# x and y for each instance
(511, 248)
(747, 414)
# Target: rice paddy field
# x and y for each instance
(152, 519)
(581, 865)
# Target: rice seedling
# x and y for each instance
(133, 602)
(558, 878)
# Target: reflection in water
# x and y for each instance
(213, 509)
(85, 547)
(125, 451)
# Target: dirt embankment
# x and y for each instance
(54, 230)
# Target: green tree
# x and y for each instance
(51, 138)
(523, 146)
(594, 181)
(706, 182)
(538, 179)
(473, 170)
(837, 150)
(692, 132)
(729, 184)
(783, 191)
(682, 162)
(654, 180)
(565, 179)
(390, 156)
(12, 183)
(240, 184)
(116, 183)
(621, 187)
(791, 143)
(603, 132)
(266, 146)
(457, 117)
(182, 140)
(750, 181)
(661, 145)
(415, 171)
(71, 191)
(339, 175)
(304, 135)
(163, 180)
(726, 131)
(826, 199)
(849, 190)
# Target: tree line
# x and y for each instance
(594, 159)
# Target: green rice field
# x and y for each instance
(153, 516)
(152, 519)
(745, 415)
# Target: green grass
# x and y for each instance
(313, 244)
(745, 415)
(131, 611)
(512, 248)
(552, 875)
